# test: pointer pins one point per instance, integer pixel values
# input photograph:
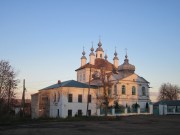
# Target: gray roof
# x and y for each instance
(168, 102)
(70, 83)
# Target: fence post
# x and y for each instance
(151, 109)
(174, 110)
(165, 109)
(98, 112)
(161, 109)
(139, 110)
(126, 111)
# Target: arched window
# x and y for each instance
(133, 90)
(80, 77)
(115, 89)
(100, 55)
(59, 96)
(55, 97)
(84, 77)
(143, 91)
(123, 89)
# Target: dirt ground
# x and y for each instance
(132, 125)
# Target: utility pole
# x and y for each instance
(88, 93)
(23, 98)
(9, 94)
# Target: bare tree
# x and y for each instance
(168, 91)
(8, 84)
(106, 97)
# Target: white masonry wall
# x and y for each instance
(63, 105)
(35, 106)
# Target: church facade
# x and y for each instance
(118, 82)
(129, 87)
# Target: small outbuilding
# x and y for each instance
(165, 107)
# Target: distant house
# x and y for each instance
(166, 107)
(17, 107)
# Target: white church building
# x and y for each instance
(84, 96)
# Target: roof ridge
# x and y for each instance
(68, 83)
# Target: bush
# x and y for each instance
(147, 107)
(118, 108)
(135, 107)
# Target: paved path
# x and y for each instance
(168, 125)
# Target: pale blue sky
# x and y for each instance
(43, 39)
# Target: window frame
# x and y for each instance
(79, 112)
(69, 112)
(143, 91)
(115, 89)
(89, 98)
(58, 113)
(123, 90)
(70, 98)
(89, 112)
(55, 97)
(80, 98)
(133, 90)
(84, 77)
